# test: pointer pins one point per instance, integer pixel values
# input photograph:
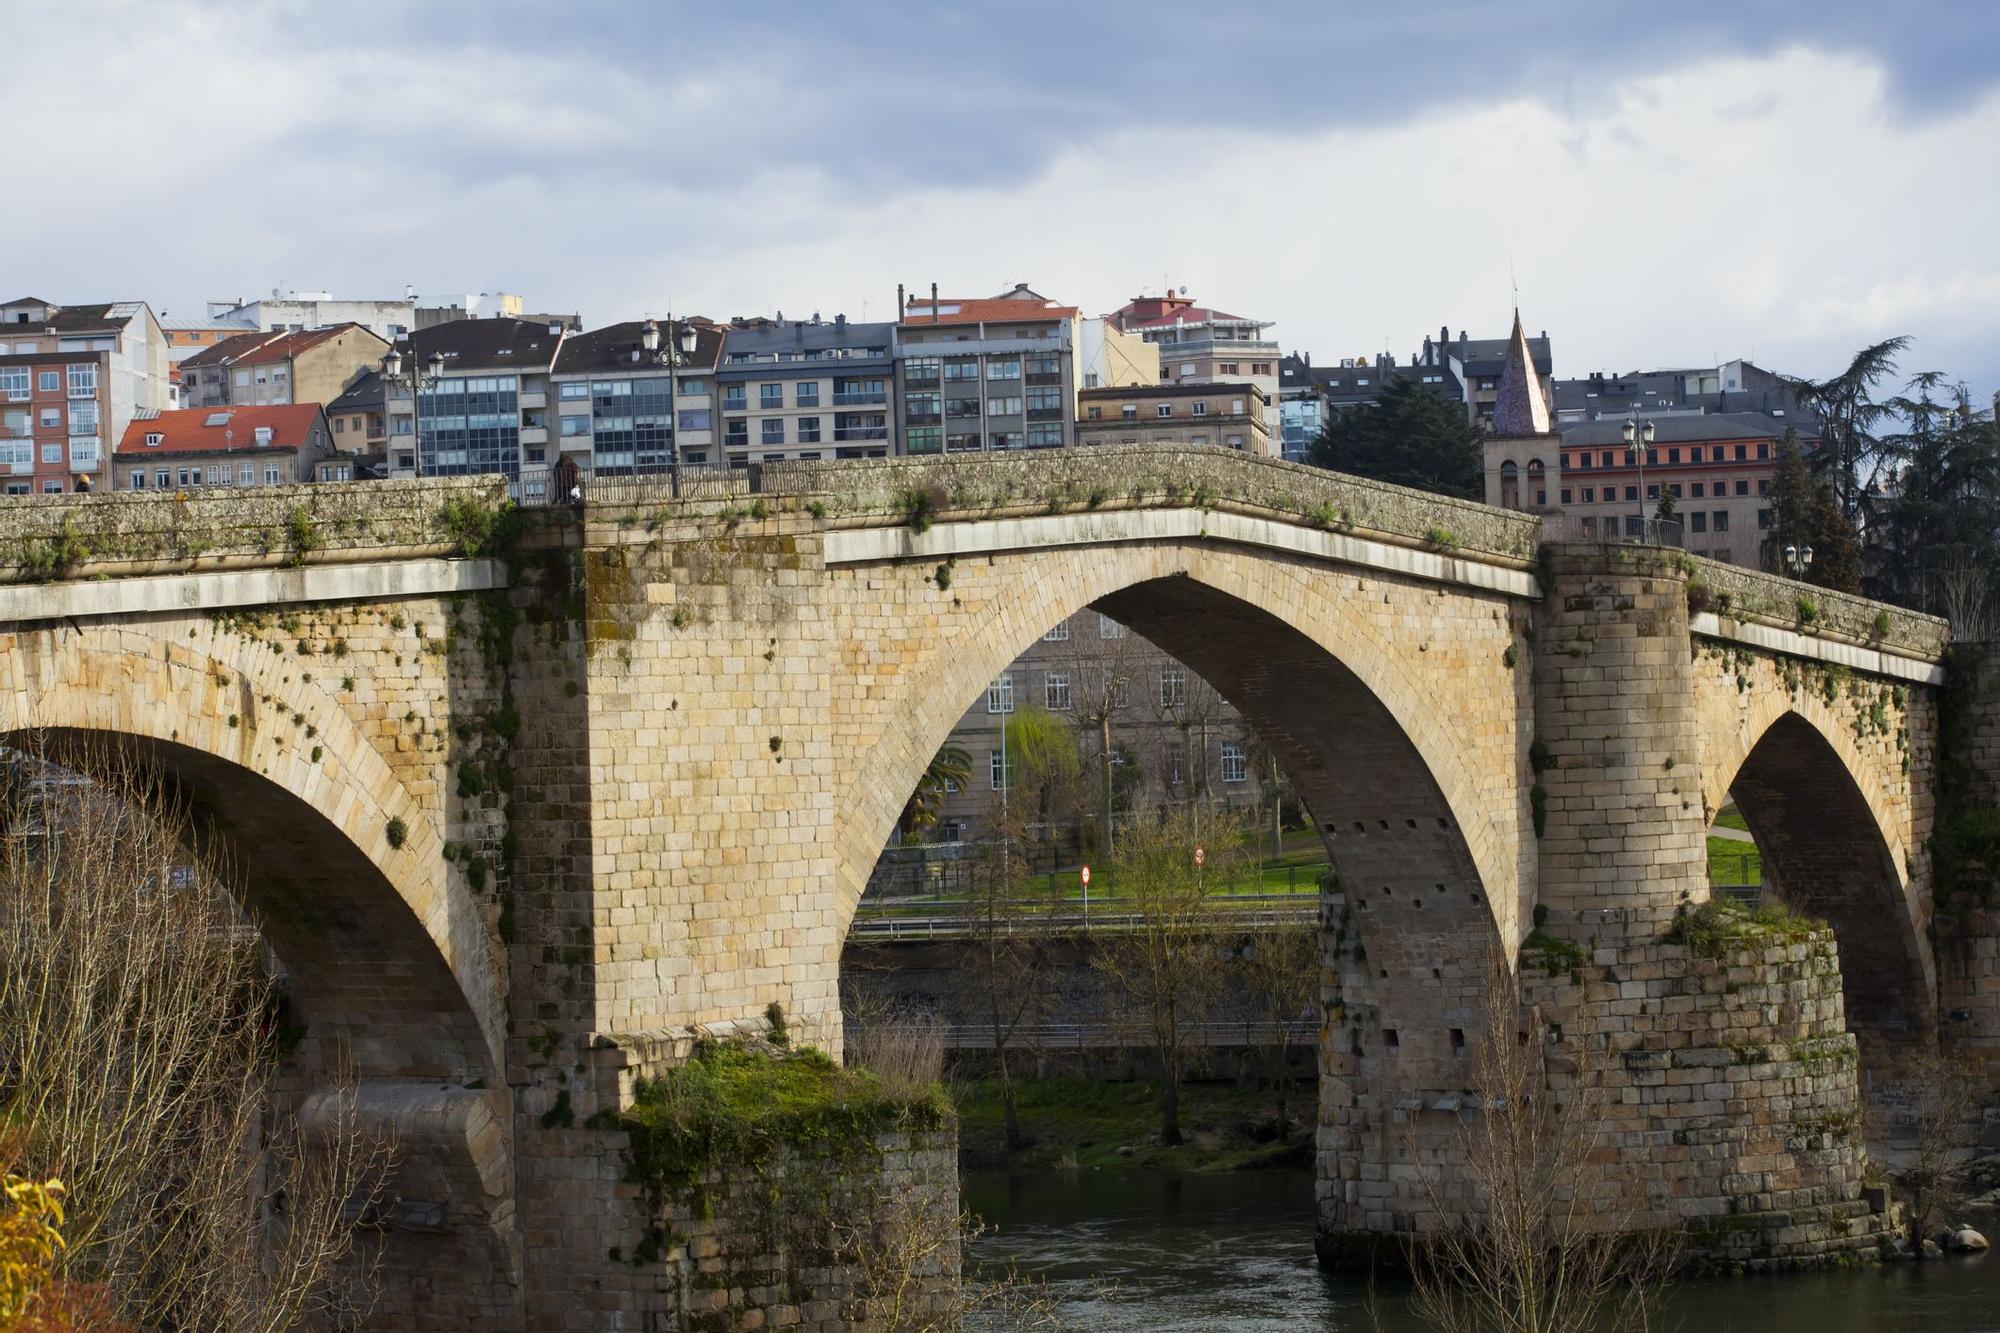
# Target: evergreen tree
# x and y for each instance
(1805, 513)
(1412, 436)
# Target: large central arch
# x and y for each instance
(384, 956)
(1388, 700)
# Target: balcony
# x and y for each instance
(919, 380)
(85, 456)
(923, 418)
(534, 398)
(861, 398)
(943, 339)
(859, 433)
(1045, 381)
(1045, 414)
(534, 435)
(734, 440)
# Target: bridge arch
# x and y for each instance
(1831, 834)
(1355, 681)
(383, 949)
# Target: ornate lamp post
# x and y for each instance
(1798, 559)
(1639, 440)
(673, 354)
(417, 381)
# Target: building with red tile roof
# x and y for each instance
(986, 373)
(71, 377)
(275, 445)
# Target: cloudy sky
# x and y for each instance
(1666, 184)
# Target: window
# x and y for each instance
(1234, 769)
(1590, 495)
(1631, 494)
(1045, 436)
(1698, 521)
(1129, 412)
(83, 417)
(996, 773)
(1742, 487)
(734, 398)
(339, 425)
(14, 383)
(246, 475)
(1055, 691)
(1009, 369)
(809, 429)
(1260, 367)
(52, 453)
(1694, 491)
(52, 418)
(1565, 497)
(270, 474)
(1003, 407)
(1201, 409)
(1227, 368)
(1763, 486)
(83, 381)
(770, 397)
(1652, 492)
(1107, 628)
(963, 371)
(52, 488)
(1764, 450)
(1721, 518)
(771, 430)
(163, 479)
(1187, 370)
(138, 480)
(924, 439)
(921, 370)
(1000, 694)
(736, 430)
(1059, 634)
(575, 391)
(1095, 413)
(806, 393)
(1176, 765)
(1164, 410)
(573, 426)
(1173, 686)
(1763, 520)
(50, 381)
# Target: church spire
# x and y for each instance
(1520, 409)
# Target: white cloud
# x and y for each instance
(1737, 206)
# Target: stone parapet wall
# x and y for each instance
(1149, 476)
(1736, 1115)
(1741, 593)
(145, 532)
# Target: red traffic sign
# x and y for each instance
(1085, 873)
(1200, 853)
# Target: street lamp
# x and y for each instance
(417, 382)
(675, 353)
(1798, 559)
(1639, 439)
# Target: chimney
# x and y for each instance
(840, 322)
(934, 303)
(901, 304)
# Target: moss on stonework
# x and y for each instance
(745, 1105)
(1722, 925)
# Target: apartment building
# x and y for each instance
(811, 388)
(71, 379)
(295, 311)
(622, 409)
(1733, 386)
(189, 448)
(1235, 416)
(254, 369)
(1717, 467)
(358, 418)
(1172, 737)
(1108, 357)
(487, 412)
(188, 335)
(997, 373)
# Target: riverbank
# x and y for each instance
(1088, 1124)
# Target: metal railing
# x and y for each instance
(678, 482)
(1051, 1037)
(956, 920)
(1613, 530)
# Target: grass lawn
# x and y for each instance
(1082, 1123)
(1730, 817)
(1732, 862)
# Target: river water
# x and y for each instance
(1233, 1254)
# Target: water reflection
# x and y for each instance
(1234, 1253)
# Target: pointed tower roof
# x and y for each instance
(1521, 408)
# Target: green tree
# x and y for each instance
(949, 767)
(1935, 522)
(1850, 417)
(1043, 762)
(1412, 436)
(1805, 513)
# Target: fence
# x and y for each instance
(955, 920)
(1610, 530)
(1054, 1038)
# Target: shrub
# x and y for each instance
(1441, 538)
(302, 533)
(397, 832)
(921, 505)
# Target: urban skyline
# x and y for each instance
(1664, 191)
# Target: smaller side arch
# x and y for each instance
(1828, 853)
(383, 951)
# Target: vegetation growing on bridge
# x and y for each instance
(1723, 925)
(750, 1105)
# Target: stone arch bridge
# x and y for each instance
(524, 811)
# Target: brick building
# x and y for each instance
(71, 379)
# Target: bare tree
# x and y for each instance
(1008, 963)
(137, 1048)
(1168, 965)
(1285, 967)
(1101, 676)
(1941, 1129)
(1540, 1246)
